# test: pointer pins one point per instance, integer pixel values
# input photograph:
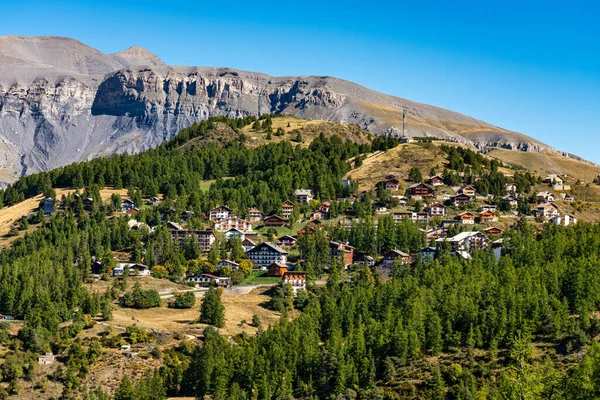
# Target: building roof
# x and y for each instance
(272, 246)
(462, 236)
(396, 253)
(303, 192)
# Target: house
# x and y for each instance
(510, 187)
(134, 269)
(254, 214)
(220, 213)
(488, 207)
(133, 211)
(411, 215)
(88, 203)
(343, 250)
(512, 200)
(287, 208)
(204, 238)
(266, 254)
(428, 253)
(228, 263)
(553, 179)
(276, 269)
(318, 216)
(564, 219)
(468, 190)
(436, 180)
(567, 197)
(365, 260)
(325, 206)
(445, 224)
(187, 215)
(274, 220)
(303, 196)
(487, 216)
(460, 199)
(465, 218)
(296, 279)
(234, 234)
(407, 139)
(206, 280)
(287, 240)
(46, 359)
(153, 201)
(233, 223)
(248, 244)
(401, 199)
(379, 206)
(466, 241)
(392, 184)
(435, 210)
(544, 197)
(493, 231)
(435, 233)
(547, 210)
(127, 205)
(420, 190)
(393, 255)
(48, 205)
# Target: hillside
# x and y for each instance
(62, 101)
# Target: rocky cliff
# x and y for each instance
(62, 101)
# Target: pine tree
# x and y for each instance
(212, 311)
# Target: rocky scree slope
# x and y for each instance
(62, 101)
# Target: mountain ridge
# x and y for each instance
(62, 101)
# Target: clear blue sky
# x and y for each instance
(528, 66)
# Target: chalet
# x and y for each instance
(343, 250)
(544, 197)
(318, 216)
(228, 263)
(254, 214)
(135, 225)
(233, 223)
(204, 238)
(287, 240)
(436, 180)
(465, 218)
(134, 269)
(460, 199)
(206, 280)
(248, 244)
(48, 205)
(510, 187)
(133, 211)
(127, 205)
(325, 206)
(493, 231)
(220, 213)
(88, 203)
(488, 207)
(547, 210)
(564, 219)
(379, 206)
(435, 233)
(567, 197)
(153, 201)
(512, 200)
(303, 196)
(365, 260)
(392, 184)
(46, 359)
(393, 255)
(234, 234)
(420, 190)
(401, 199)
(276, 269)
(435, 210)
(187, 216)
(411, 215)
(296, 279)
(467, 241)
(287, 208)
(553, 179)
(407, 139)
(266, 254)
(428, 253)
(487, 216)
(445, 224)
(468, 190)
(274, 220)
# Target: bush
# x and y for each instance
(237, 277)
(139, 298)
(159, 272)
(183, 300)
(136, 334)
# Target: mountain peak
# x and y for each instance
(137, 56)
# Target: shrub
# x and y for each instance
(139, 298)
(183, 300)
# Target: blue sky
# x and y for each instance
(528, 66)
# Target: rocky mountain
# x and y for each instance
(62, 101)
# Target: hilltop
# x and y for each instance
(62, 101)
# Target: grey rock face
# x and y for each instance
(62, 101)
